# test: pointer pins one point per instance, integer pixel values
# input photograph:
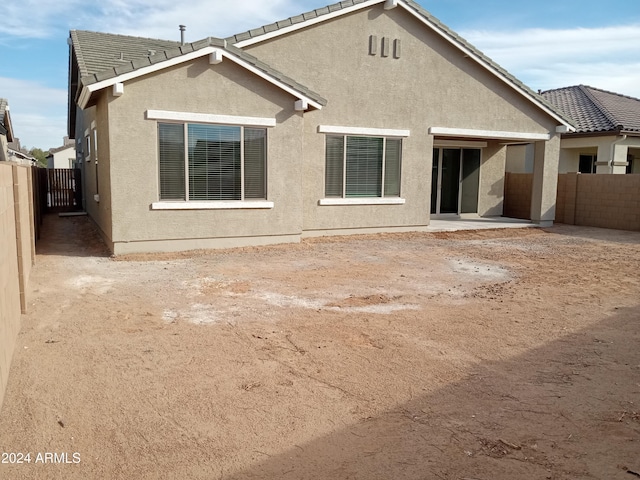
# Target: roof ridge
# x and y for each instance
(612, 93)
(604, 110)
(558, 89)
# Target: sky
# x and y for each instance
(546, 44)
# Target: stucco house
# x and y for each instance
(362, 116)
(63, 156)
(6, 130)
(607, 135)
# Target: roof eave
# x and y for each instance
(634, 133)
(600, 133)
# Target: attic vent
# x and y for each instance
(121, 58)
(151, 52)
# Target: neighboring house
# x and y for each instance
(10, 149)
(21, 155)
(6, 130)
(64, 156)
(607, 136)
(363, 116)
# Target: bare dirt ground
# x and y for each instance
(510, 354)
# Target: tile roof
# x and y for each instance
(102, 56)
(417, 8)
(62, 148)
(596, 110)
(97, 52)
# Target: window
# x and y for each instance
(95, 144)
(587, 163)
(201, 162)
(95, 156)
(362, 166)
(87, 152)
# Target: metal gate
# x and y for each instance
(64, 189)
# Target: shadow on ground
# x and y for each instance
(568, 410)
(74, 236)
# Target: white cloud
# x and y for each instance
(35, 18)
(203, 18)
(606, 58)
(38, 112)
(146, 18)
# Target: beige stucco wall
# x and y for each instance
(545, 181)
(492, 171)
(520, 158)
(96, 177)
(431, 84)
(223, 89)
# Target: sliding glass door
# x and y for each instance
(455, 181)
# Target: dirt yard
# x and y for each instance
(489, 355)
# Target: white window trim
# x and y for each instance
(459, 143)
(373, 132)
(209, 204)
(491, 134)
(188, 117)
(212, 205)
(344, 200)
(362, 201)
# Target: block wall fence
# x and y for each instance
(606, 201)
(17, 256)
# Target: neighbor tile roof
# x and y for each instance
(257, 32)
(596, 110)
(102, 56)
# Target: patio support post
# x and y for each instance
(545, 181)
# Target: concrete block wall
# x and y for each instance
(23, 205)
(517, 195)
(566, 198)
(17, 256)
(9, 279)
(606, 201)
